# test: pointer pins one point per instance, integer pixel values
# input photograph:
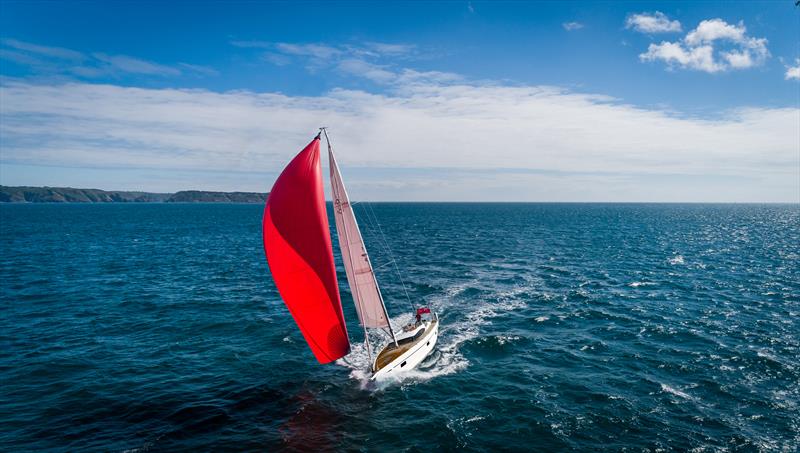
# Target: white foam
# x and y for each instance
(542, 319)
(764, 354)
(503, 339)
(668, 389)
(677, 259)
(446, 358)
(443, 361)
(455, 290)
(638, 284)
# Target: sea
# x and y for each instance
(564, 327)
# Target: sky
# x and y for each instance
(424, 101)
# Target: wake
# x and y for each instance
(456, 328)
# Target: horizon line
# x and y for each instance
(327, 200)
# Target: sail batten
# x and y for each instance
(360, 274)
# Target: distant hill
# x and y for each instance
(71, 195)
(200, 196)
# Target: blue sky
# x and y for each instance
(550, 101)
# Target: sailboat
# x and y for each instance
(297, 244)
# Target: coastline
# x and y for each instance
(26, 194)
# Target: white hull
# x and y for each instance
(414, 355)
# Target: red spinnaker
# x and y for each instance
(297, 243)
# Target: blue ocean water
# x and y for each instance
(156, 327)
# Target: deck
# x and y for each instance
(391, 352)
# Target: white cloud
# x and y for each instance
(482, 141)
(20, 58)
(657, 22)
(373, 61)
(793, 72)
(328, 52)
(308, 50)
(54, 52)
(276, 58)
(700, 48)
(674, 54)
(570, 26)
(58, 60)
(361, 68)
(410, 77)
(128, 64)
(383, 48)
(198, 69)
(385, 75)
(711, 30)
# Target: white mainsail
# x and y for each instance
(360, 275)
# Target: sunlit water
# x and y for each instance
(563, 326)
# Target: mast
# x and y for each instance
(366, 292)
(354, 288)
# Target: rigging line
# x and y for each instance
(381, 241)
(397, 268)
(371, 229)
(384, 265)
(377, 232)
(375, 228)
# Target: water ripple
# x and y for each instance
(564, 327)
